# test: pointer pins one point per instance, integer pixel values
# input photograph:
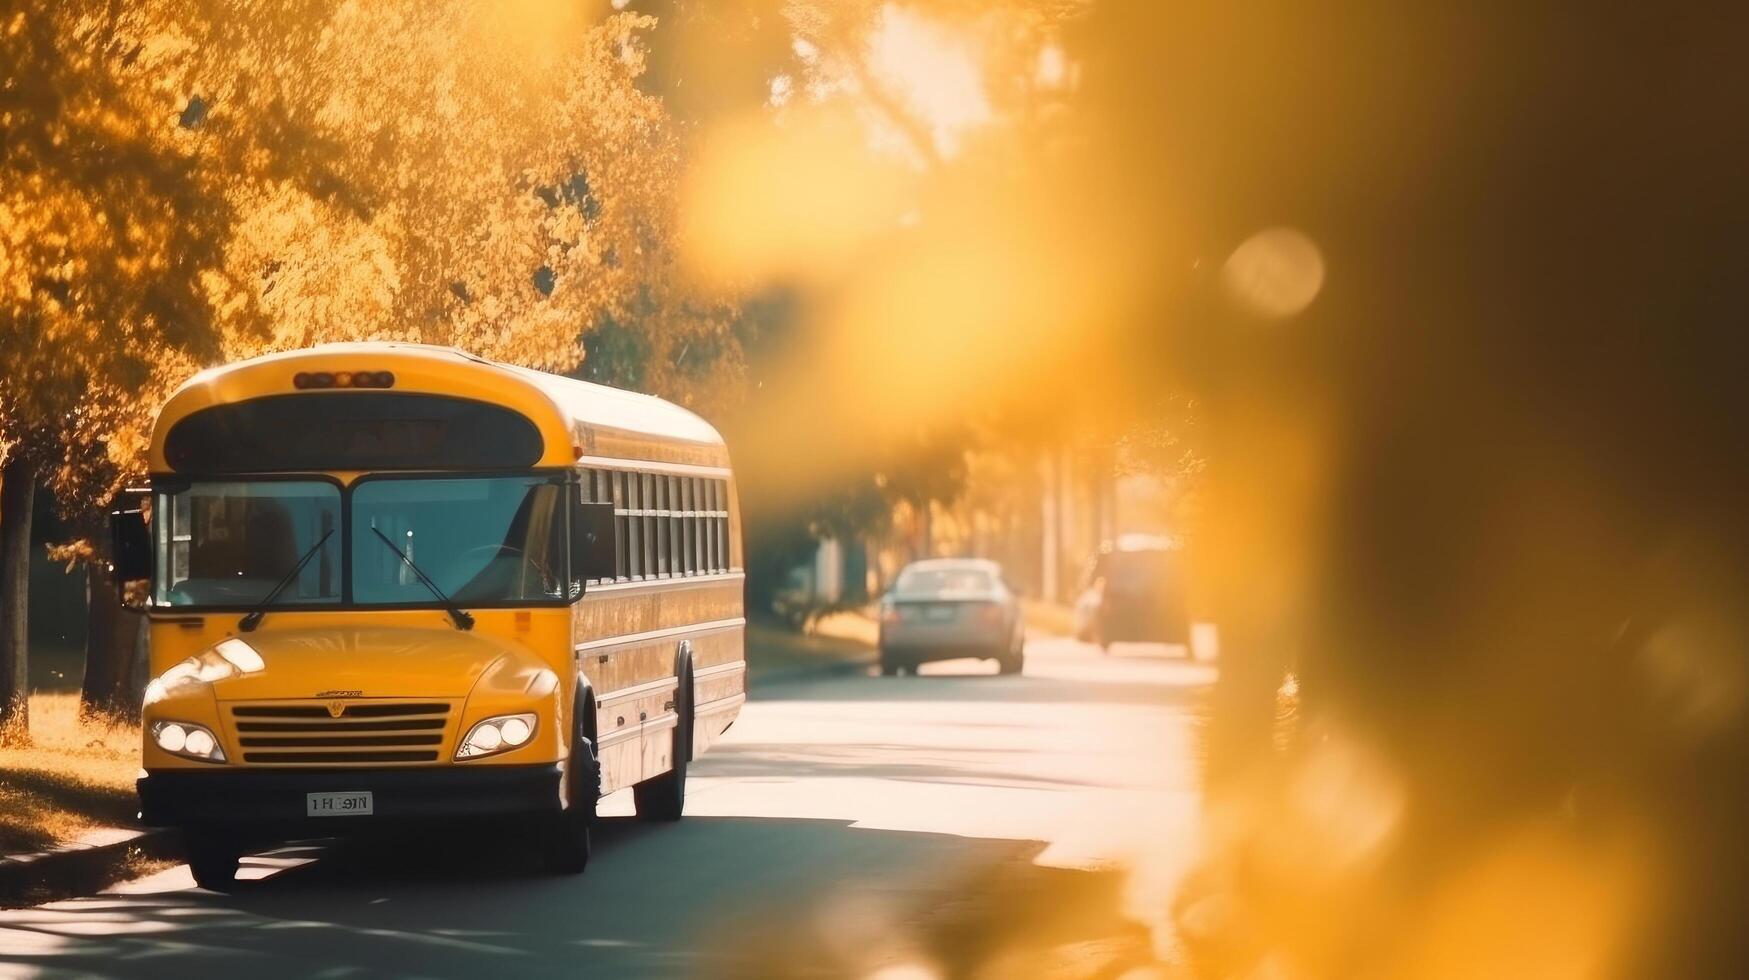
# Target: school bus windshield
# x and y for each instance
(228, 543)
(481, 540)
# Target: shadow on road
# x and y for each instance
(758, 760)
(674, 899)
(1183, 684)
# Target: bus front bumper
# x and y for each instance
(277, 796)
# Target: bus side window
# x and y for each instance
(596, 487)
(721, 519)
(676, 534)
(711, 502)
(593, 548)
(647, 487)
(634, 527)
(659, 521)
(694, 563)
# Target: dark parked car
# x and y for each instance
(1135, 594)
(948, 608)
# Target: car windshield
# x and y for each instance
(1137, 571)
(479, 539)
(929, 581)
(230, 543)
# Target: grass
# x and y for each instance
(854, 626)
(773, 648)
(73, 775)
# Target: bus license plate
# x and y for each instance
(357, 804)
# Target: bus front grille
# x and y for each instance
(301, 733)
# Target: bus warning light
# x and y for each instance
(343, 379)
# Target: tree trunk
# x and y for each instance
(139, 665)
(99, 631)
(111, 630)
(855, 571)
(1050, 528)
(925, 540)
(17, 495)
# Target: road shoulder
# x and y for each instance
(778, 656)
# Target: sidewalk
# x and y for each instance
(775, 654)
(67, 806)
(1048, 618)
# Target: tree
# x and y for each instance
(17, 495)
(293, 173)
(822, 160)
(121, 203)
(500, 183)
(111, 247)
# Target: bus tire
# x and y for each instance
(565, 843)
(213, 857)
(663, 799)
(565, 835)
(1013, 662)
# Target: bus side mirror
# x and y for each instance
(130, 544)
(592, 541)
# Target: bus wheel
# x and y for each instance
(662, 799)
(213, 857)
(565, 838)
(566, 843)
(1012, 662)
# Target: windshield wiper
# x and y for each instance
(253, 618)
(463, 620)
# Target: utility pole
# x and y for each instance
(1050, 519)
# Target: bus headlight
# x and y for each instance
(500, 734)
(188, 740)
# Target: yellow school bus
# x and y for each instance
(392, 582)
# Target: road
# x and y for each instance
(846, 824)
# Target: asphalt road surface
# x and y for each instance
(841, 818)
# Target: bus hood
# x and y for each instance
(365, 662)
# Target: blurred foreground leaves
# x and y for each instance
(1453, 292)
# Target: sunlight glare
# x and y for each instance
(935, 73)
(796, 200)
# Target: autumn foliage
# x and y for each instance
(1448, 301)
(192, 180)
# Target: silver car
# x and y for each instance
(947, 608)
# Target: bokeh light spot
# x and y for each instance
(1274, 273)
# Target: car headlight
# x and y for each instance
(499, 734)
(188, 740)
